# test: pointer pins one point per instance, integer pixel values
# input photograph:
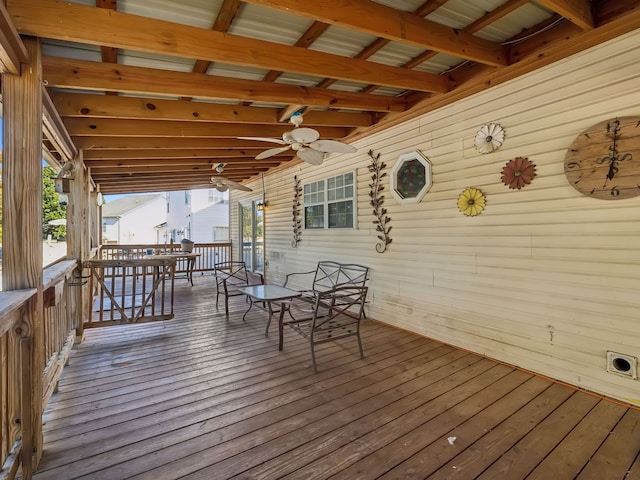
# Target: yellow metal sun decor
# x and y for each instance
(471, 202)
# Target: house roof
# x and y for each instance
(158, 92)
(123, 205)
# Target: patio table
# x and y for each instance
(190, 259)
(264, 295)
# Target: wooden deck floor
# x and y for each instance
(200, 397)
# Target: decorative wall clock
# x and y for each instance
(489, 138)
(604, 161)
(518, 172)
(471, 202)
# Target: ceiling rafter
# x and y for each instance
(87, 75)
(222, 23)
(150, 138)
(96, 26)
(534, 52)
(12, 51)
(169, 143)
(173, 153)
(98, 106)
(317, 28)
(386, 22)
(108, 54)
(576, 11)
(98, 127)
(246, 163)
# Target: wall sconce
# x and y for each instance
(62, 181)
(263, 204)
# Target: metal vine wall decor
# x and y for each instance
(377, 199)
(297, 223)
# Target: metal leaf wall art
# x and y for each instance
(297, 222)
(377, 200)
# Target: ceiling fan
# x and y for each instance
(222, 184)
(305, 142)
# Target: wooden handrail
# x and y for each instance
(11, 301)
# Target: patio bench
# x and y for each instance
(331, 304)
(230, 277)
(327, 275)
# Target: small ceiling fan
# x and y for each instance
(305, 142)
(222, 184)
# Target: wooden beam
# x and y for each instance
(180, 168)
(494, 15)
(95, 127)
(577, 12)
(152, 175)
(99, 106)
(402, 27)
(154, 185)
(137, 187)
(108, 54)
(532, 54)
(226, 14)
(98, 26)
(157, 153)
(306, 39)
(83, 74)
(120, 143)
(151, 162)
(55, 130)
(12, 51)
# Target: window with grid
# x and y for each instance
(330, 203)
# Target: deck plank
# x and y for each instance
(618, 452)
(206, 397)
(429, 448)
(567, 460)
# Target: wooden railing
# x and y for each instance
(59, 330)
(209, 253)
(16, 384)
(61, 284)
(16, 362)
(131, 291)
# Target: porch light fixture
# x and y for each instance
(262, 206)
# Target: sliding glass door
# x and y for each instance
(252, 235)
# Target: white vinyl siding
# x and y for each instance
(545, 278)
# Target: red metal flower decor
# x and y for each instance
(518, 172)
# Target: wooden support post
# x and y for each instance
(95, 232)
(78, 241)
(22, 222)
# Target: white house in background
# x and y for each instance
(134, 219)
(200, 215)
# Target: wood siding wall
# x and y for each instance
(545, 278)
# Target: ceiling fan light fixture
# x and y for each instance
(305, 142)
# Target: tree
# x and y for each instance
(51, 207)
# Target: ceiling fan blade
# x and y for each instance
(237, 186)
(222, 184)
(302, 135)
(271, 152)
(312, 157)
(264, 139)
(332, 146)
